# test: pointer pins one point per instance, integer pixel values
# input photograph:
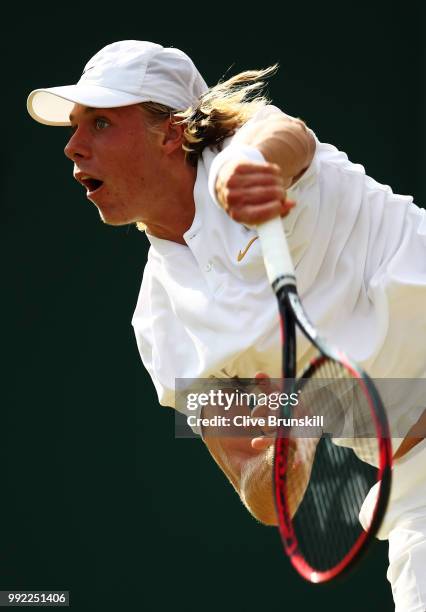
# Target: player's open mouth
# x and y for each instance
(92, 184)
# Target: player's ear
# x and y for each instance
(173, 135)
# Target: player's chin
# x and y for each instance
(111, 216)
(113, 222)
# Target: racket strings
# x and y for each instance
(330, 470)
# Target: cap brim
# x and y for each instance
(52, 106)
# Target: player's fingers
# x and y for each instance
(262, 443)
(261, 167)
(257, 213)
(263, 382)
(239, 181)
(286, 206)
(260, 411)
(268, 424)
(262, 377)
(254, 195)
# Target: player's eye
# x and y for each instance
(101, 123)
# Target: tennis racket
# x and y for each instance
(323, 475)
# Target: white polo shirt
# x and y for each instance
(360, 258)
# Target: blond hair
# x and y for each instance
(221, 110)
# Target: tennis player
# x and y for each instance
(196, 168)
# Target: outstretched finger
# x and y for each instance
(263, 442)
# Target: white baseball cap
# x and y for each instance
(123, 73)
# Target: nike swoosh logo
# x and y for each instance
(243, 253)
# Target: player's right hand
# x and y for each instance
(252, 192)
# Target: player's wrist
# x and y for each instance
(233, 152)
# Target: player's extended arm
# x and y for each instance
(248, 469)
(253, 192)
(246, 455)
(248, 464)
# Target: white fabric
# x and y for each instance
(404, 526)
(360, 258)
(407, 565)
(123, 73)
(276, 255)
(408, 493)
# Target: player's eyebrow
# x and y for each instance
(87, 110)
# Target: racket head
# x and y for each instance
(321, 483)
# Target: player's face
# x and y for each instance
(117, 159)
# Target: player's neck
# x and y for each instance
(178, 206)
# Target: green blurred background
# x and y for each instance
(97, 495)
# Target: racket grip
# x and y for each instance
(276, 253)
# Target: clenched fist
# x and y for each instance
(252, 192)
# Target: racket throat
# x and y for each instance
(288, 335)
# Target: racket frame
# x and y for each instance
(282, 447)
(281, 274)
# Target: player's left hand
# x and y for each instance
(265, 386)
(252, 192)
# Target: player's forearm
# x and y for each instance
(249, 471)
(256, 487)
(283, 141)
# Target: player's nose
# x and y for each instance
(77, 147)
